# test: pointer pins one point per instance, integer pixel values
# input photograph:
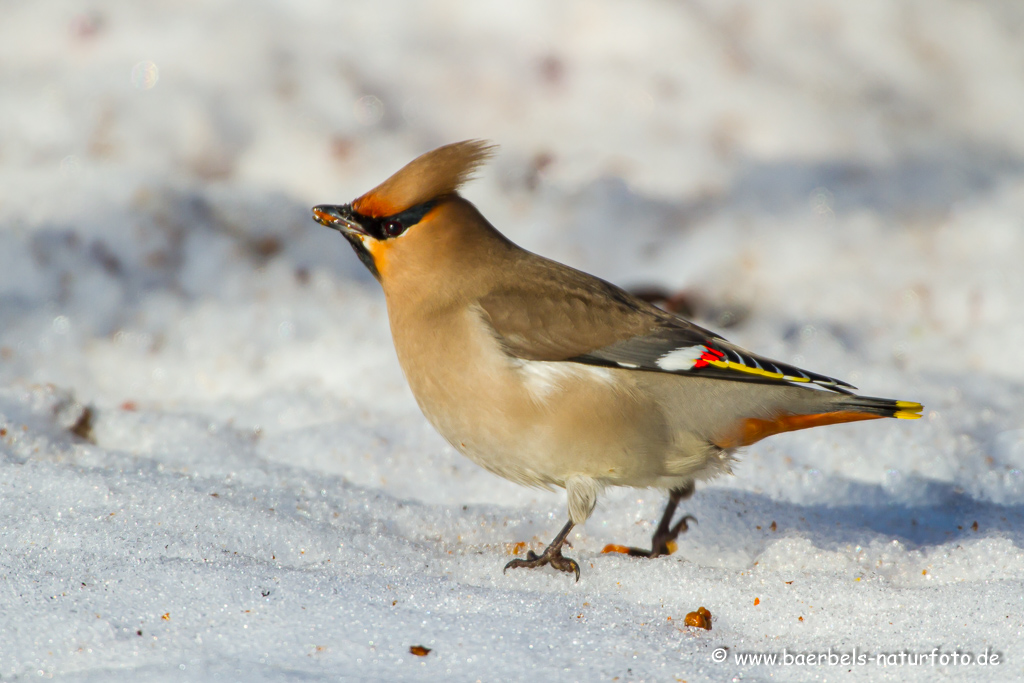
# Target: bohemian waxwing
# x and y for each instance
(548, 376)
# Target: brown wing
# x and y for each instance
(566, 315)
(562, 313)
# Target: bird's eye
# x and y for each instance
(393, 227)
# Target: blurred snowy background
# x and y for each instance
(211, 467)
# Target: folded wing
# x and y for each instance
(566, 315)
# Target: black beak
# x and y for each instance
(340, 218)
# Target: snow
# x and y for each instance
(211, 467)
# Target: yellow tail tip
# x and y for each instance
(908, 410)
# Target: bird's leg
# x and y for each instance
(666, 533)
(552, 555)
(664, 539)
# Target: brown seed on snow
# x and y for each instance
(699, 619)
(696, 620)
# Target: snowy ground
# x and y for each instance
(211, 467)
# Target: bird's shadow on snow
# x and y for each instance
(935, 514)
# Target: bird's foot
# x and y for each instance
(552, 555)
(663, 542)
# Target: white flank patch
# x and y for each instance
(680, 359)
(544, 378)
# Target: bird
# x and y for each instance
(553, 378)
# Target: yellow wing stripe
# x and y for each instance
(730, 365)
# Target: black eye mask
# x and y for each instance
(389, 227)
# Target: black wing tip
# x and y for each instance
(832, 384)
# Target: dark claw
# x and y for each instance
(568, 565)
(552, 555)
(556, 560)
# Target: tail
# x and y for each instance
(849, 408)
(880, 407)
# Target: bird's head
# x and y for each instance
(391, 222)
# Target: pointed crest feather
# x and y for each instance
(436, 173)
